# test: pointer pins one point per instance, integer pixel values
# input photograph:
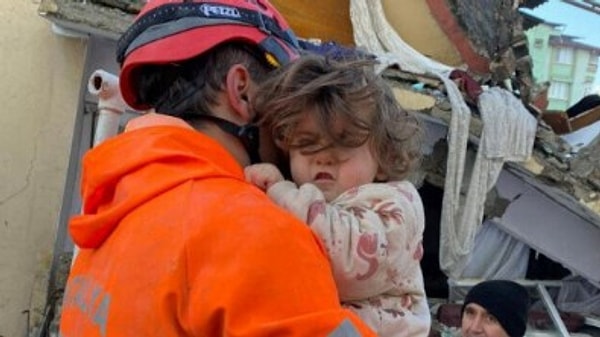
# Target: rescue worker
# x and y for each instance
(495, 308)
(173, 241)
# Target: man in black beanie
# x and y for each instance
(495, 308)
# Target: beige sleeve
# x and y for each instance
(372, 233)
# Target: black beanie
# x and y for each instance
(508, 301)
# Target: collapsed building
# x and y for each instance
(505, 195)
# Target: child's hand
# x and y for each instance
(263, 175)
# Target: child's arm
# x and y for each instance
(372, 233)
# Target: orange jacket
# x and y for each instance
(176, 243)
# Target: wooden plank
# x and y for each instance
(584, 119)
(326, 20)
(558, 121)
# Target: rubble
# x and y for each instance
(552, 162)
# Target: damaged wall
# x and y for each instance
(555, 191)
(41, 76)
(553, 161)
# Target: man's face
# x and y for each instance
(478, 322)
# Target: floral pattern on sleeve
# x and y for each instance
(373, 235)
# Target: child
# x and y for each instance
(350, 146)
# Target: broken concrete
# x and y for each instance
(552, 160)
(94, 16)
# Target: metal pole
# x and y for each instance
(554, 315)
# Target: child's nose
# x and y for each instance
(325, 157)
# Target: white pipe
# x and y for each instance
(110, 104)
(110, 108)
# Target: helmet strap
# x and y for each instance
(248, 134)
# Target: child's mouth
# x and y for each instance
(323, 176)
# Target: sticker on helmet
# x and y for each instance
(221, 11)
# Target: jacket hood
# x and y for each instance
(153, 156)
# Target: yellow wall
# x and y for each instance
(414, 23)
(324, 20)
(39, 87)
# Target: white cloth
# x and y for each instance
(508, 128)
(578, 295)
(496, 255)
(508, 135)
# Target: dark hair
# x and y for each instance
(191, 86)
(348, 90)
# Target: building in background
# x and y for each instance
(567, 65)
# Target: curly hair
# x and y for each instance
(347, 90)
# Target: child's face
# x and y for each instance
(333, 169)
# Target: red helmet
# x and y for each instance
(168, 31)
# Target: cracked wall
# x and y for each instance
(41, 78)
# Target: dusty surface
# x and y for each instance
(552, 161)
(113, 19)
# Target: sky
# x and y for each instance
(578, 22)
